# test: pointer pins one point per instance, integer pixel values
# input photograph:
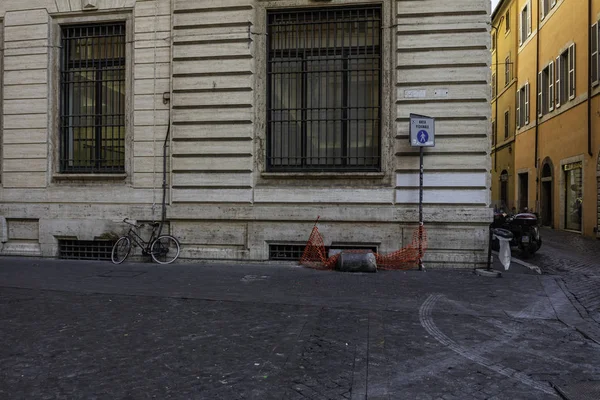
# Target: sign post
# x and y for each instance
(422, 134)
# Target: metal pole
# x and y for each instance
(489, 259)
(421, 209)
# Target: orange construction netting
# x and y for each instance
(315, 254)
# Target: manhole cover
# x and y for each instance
(585, 390)
(122, 274)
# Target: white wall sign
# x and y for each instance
(422, 131)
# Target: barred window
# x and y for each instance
(92, 90)
(323, 89)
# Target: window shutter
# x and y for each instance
(527, 103)
(551, 86)
(594, 58)
(558, 88)
(518, 110)
(572, 71)
(543, 8)
(528, 19)
(521, 25)
(539, 88)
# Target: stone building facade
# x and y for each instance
(270, 113)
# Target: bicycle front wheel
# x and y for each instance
(165, 249)
(120, 250)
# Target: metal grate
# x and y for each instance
(85, 249)
(92, 106)
(323, 89)
(290, 252)
(293, 252)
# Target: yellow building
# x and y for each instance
(504, 66)
(555, 140)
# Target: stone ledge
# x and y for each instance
(323, 175)
(88, 177)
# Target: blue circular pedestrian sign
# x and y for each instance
(422, 136)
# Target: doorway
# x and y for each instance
(523, 192)
(546, 211)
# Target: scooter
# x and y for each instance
(525, 230)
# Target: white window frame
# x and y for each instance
(525, 23)
(551, 86)
(522, 109)
(544, 8)
(507, 76)
(571, 72)
(518, 109)
(527, 103)
(558, 87)
(595, 66)
(540, 102)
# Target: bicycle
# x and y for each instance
(164, 249)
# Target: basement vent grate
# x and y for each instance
(293, 252)
(85, 249)
(286, 252)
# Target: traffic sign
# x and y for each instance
(422, 131)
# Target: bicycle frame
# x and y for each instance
(138, 240)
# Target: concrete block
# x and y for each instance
(355, 261)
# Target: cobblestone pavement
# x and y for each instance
(575, 260)
(77, 330)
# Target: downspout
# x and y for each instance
(537, 97)
(164, 181)
(167, 99)
(496, 111)
(495, 28)
(589, 81)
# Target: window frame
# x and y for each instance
(558, 89)
(507, 75)
(506, 124)
(550, 68)
(525, 23)
(494, 88)
(572, 83)
(494, 128)
(522, 108)
(493, 41)
(329, 167)
(594, 65)
(507, 21)
(56, 26)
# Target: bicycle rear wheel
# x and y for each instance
(165, 249)
(120, 250)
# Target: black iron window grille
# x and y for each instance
(92, 104)
(85, 249)
(323, 89)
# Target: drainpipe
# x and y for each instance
(495, 28)
(589, 81)
(537, 97)
(537, 107)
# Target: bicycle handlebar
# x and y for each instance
(152, 224)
